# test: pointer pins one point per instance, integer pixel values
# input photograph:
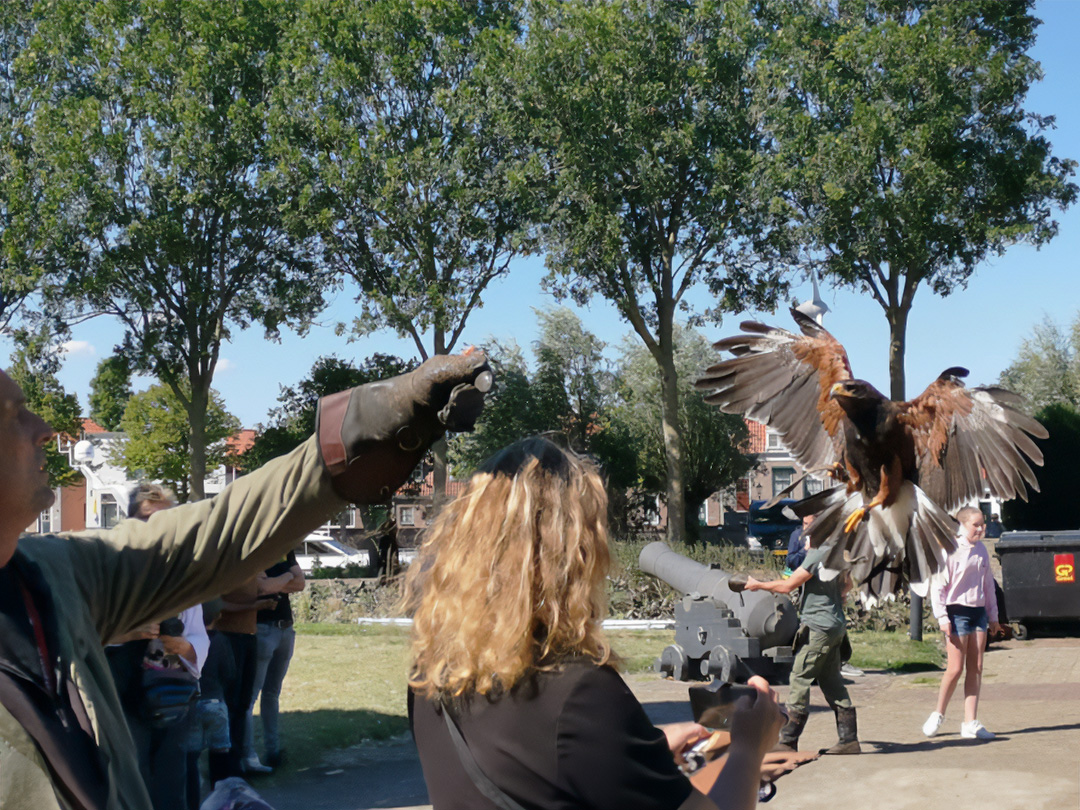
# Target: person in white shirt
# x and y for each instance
(965, 606)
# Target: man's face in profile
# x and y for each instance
(24, 482)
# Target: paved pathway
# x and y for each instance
(1031, 699)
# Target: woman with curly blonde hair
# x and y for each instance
(514, 693)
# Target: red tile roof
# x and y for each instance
(240, 442)
(757, 436)
(90, 426)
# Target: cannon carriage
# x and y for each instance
(719, 632)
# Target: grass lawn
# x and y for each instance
(346, 683)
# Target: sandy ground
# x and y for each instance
(1031, 700)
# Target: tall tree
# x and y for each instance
(34, 366)
(571, 358)
(639, 115)
(415, 196)
(714, 444)
(903, 132)
(293, 421)
(110, 390)
(157, 438)
(152, 116)
(1046, 369)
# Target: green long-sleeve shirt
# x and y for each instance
(104, 583)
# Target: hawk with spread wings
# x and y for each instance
(899, 465)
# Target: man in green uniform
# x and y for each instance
(64, 744)
(818, 651)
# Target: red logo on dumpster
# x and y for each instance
(1064, 568)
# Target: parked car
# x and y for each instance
(320, 550)
(769, 529)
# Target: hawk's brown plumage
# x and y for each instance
(900, 464)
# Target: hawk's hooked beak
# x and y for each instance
(837, 390)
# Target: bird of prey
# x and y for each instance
(900, 466)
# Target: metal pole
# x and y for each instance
(915, 619)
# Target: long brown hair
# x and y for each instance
(510, 579)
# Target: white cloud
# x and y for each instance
(78, 348)
(225, 364)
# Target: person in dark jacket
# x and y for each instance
(507, 598)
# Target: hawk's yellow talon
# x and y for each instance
(854, 519)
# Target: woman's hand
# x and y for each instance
(757, 725)
(945, 626)
(995, 629)
(681, 736)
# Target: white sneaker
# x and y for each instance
(975, 731)
(850, 671)
(252, 765)
(933, 724)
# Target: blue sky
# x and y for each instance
(980, 327)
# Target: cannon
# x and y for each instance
(719, 632)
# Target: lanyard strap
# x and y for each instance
(493, 792)
(39, 637)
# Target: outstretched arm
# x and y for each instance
(797, 579)
(367, 442)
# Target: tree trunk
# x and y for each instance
(898, 317)
(438, 474)
(438, 470)
(669, 418)
(197, 419)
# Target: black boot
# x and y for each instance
(789, 734)
(847, 729)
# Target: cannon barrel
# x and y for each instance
(765, 616)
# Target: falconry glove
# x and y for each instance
(372, 436)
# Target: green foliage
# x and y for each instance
(293, 421)
(35, 229)
(411, 190)
(157, 440)
(638, 113)
(110, 390)
(34, 366)
(901, 132)
(712, 442)
(568, 394)
(150, 118)
(1055, 506)
(1047, 367)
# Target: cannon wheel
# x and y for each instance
(722, 663)
(673, 663)
(1020, 631)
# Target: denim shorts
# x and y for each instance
(209, 727)
(966, 620)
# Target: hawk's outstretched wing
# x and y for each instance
(783, 380)
(963, 434)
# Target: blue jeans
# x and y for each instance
(275, 650)
(965, 619)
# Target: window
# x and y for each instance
(45, 522)
(781, 479)
(110, 512)
(346, 518)
(814, 485)
(772, 441)
(703, 514)
(407, 516)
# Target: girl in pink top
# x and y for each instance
(965, 606)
